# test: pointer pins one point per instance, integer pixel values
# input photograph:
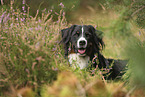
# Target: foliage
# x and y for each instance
(135, 8)
(68, 84)
(136, 53)
(28, 48)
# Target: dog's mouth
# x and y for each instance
(81, 51)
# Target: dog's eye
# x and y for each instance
(77, 33)
(88, 34)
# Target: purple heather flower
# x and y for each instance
(23, 8)
(36, 28)
(24, 14)
(37, 44)
(39, 20)
(30, 29)
(95, 26)
(13, 13)
(53, 49)
(5, 18)
(44, 9)
(11, 24)
(22, 20)
(139, 32)
(63, 13)
(6, 27)
(17, 19)
(17, 24)
(69, 49)
(3, 14)
(56, 13)
(61, 4)
(55, 69)
(43, 37)
(105, 69)
(23, 1)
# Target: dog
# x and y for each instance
(82, 43)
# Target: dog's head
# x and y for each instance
(84, 40)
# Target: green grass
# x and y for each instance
(32, 61)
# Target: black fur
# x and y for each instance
(66, 36)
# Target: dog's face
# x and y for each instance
(80, 39)
(83, 39)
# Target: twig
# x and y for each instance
(36, 15)
(137, 11)
(55, 60)
(103, 78)
(2, 2)
(81, 91)
(128, 94)
(90, 85)
(102, 6)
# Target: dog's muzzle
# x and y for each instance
(82, 45)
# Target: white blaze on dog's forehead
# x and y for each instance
(82, 31)
(82, 38)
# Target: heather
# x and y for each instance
(32, 62)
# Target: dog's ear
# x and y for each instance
(99, 45)
(66, 36)
(97, 39)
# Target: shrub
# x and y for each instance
(29, 48)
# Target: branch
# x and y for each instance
(137, 11)
(2, 2)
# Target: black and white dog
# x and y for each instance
(82, 43)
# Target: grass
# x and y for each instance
(32, 61)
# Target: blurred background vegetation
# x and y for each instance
(78, 8)
(30, 55)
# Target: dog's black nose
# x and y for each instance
(82, 42)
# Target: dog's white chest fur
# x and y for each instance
(78, 61)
